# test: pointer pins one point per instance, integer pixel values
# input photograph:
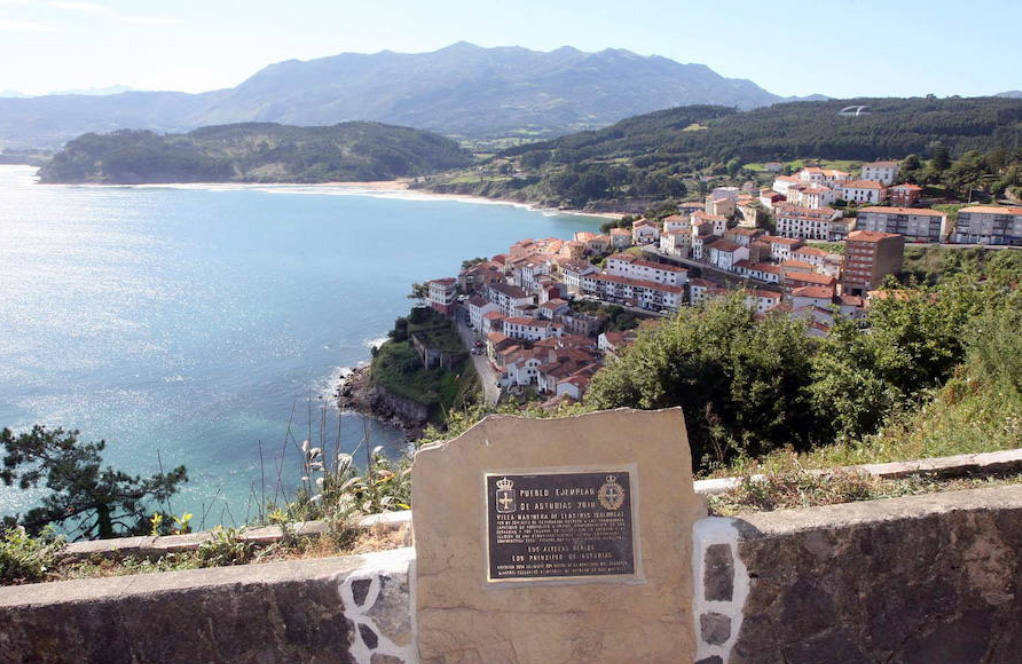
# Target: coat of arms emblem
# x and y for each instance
(505, 496)
(611, 494)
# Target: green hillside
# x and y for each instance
(255, 152)
(668, 153)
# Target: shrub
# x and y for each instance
(26, 559)
(223, 549)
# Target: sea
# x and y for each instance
(208, 325)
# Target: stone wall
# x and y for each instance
(387, 403)
(926, 579)
(351, 610)
(919, 580)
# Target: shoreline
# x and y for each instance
(399, 188)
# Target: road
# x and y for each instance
(487, 376)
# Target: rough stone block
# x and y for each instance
(719, 573)
(715, 628)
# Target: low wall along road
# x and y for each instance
(918, 580)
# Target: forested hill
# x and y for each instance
(892, 128)
(255, 152)
(647, 158)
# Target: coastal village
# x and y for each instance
(815, 245)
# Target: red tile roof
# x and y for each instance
(880, 209)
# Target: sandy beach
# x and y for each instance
(400, 188)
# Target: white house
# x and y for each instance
(812, 296)
(863, 191)
(620, 238)
(813, 197)
(803, 222)
(442, 294)
(719, 222)
(573, 271)
(761, 300)
(676, 222)
(781, 247)
(725, 254)
(528, 329)
(676, 243)
(628, 265)
(767, 272)
(479, 306)
(508, 297)
(881, 171)
(633, 292)
(644, 231)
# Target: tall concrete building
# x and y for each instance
(869, 257)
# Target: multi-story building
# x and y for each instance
(628, 265)
(676, 243)
(881, 171)
(768, 272)
(989, 224)
(620, 238)
(644, 231)
(633, 292)
(743, 236)
(529, 329)
(442, 294)
(726, 192)
(719, 222)
(840, 228)
(905, 195)
(725, 254)
(573, 271)
(794, 280)
(700, 243)
(810, 255)
(817, 175)
(676, 222)
(701, 290)
(804, 223)
(812, 196)
(479, 306)
(863, 191)
(781, 247)
(782, 183)
(919, 224)
(761, 300)
(509, 298)
(721, 206)
(869, 257)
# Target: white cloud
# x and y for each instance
(24, 26)
(149, 20)
(87, 7)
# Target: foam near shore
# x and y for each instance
(398, 189)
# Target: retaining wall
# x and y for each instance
(932, 578)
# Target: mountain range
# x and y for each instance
(463, 90)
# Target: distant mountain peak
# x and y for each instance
(462, 90)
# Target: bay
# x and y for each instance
(188, 323)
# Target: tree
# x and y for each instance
(419, 292)
(744, 392)
(86, 500)
(941, 159)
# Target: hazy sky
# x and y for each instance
(841, 48)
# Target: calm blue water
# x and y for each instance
(191, 321)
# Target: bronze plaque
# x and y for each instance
(550, 526)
